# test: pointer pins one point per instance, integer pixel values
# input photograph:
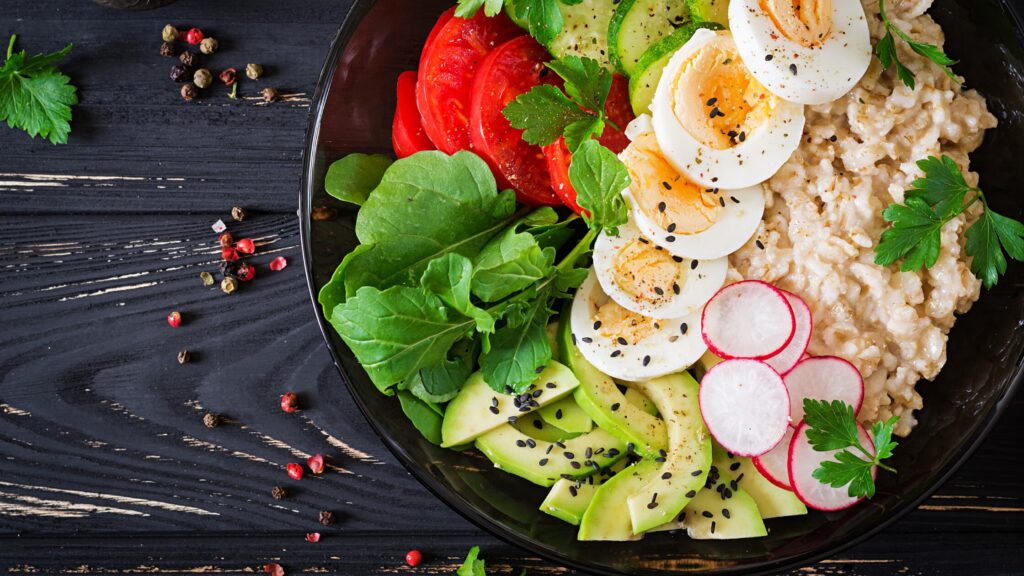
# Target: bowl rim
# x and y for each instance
(350, 22)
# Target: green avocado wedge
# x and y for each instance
(687, 460)
(535, 427)
(567, 415)
(543, 463)
(637, 398)
(772, 501)
(568, 499)
(479, 409)
(607, 517)
(601, 399)
(722, 511)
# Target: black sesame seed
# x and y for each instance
(573, 339)
(733, 198)
(520, 443)
(558, 414)
(616, 353)
(677, 259)
(613, 452)
(725, 512)
(531, 442)
(715, 179)
(707, 514)
(726, 493)
(676, 289)
(666, 475)
(572, 491)
(670, 238)
(512, 419)
(652, 505)
(661, 206)
(694, 264)
(494, 410)
(494, 401)
(575, 465)
(659, 291)
(712, 526)
(691, 493)
(587, 340)
(671, 227)
(759, 244)
(721, 201)
(739, 478)
(768, 58)
(833, 138)
(659, 459)
(599, 450)
(568, 455)
(792, 68)
(712, 101)
(666, 185)
(683, 328)
(543, 462)
(630, 448)
(537, 393)
(539, 369)
(538, 424)
(644, 240)
(621, 341)
(734, 466)
(734, 485)
(597, 325)
(551, 385)
(615, 407)
(696, 473)
(550, 446)
(524, 408)
(560, 444)
(743, 136)
(647, 360)
(588, 453)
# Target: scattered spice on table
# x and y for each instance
(194, 36)
(188, 58)
(238, 213)
(246, 246)
(202, 78)
(228, 76)
(229, 254)
(413, 558)
(246, 271)
(274, 569)
(253, 71)
(226, 240)
(174, 319)
(167, 49)
(169, 33)
(294, 471)
(316, 464)
(189, 92)
(228, 285)
(207, 278)
(208, 46)
(278, 263)
(289, 402)
(279, 493)
(212, 419)
(179, 72)
(326, 517)
(313, 537)
(184, 357)
(269, 94)
(219, 226)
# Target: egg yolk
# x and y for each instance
(806, 22)
(665, 196)
(645, 273)
(617, 322)
(716, 99)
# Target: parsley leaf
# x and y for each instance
(886, 51)
(987, 239)
(469, 8)
(586, 81)
(35, 96)
(543, 18)
(599, 178)
(943, 186)
(833, 426)
(472, 566)
(544, 113)
(915, 236)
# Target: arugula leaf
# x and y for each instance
(449, 277)
(519, 348)
(35, 96)
(472, 566)
(333, 293)
(886, 51)
(543, 216)
(426, 206)
(397, 332)
(469, 8)
(542, 17)
(599, 178)
(915, 236)
(508, 264)
(544, 113)
(442, 382)
(830, 425)
(426, 417)
(352, 178)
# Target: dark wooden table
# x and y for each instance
(105, 464)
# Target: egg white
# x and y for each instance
(805, 75)
(745, 164)
(702, 279)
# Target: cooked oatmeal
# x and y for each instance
(824, 216)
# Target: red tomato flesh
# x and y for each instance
(448, 65)
(407, 134)
(510, 70)
(618, 110)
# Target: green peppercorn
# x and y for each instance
(202, 78)
(269, 94)
(228, 285)
(208, 46)
(207, 278)
(169, 33)
(189, 92)
(253, 71)
(188, 58)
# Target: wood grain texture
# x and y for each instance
(105, 464)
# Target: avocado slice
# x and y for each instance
(470, 413)
(607, 517)
(551, 332)
(567, 415)
(568, 499)
(772, 501)
(637, 398)
(535, 427)
(601, 399)
(686, 463)
(722, 511)
(706, 362)
(544, 463)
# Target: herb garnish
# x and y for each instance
(833, 426)
(542, 18)
(546, 112)
(941, 195)
(35, 96)
(473, 566)
(886, 51)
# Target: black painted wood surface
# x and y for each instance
(105, 464)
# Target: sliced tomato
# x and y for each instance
(448, 65)
(407, 134)
(557, 154)
(510, 70)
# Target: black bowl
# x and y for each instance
(352, 112)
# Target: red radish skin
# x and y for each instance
(825, 378)
(784, 361)
(745, 406)
(748, 320)
(804, 459)
(774, 464)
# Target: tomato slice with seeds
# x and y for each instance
(619, 111)
(510, 70)
(448, 65)
(407, 134)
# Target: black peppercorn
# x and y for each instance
(326, 517)
(212, 419)
(229, 269)
(188, 58)
(180, 73)
(278, 492)
(189, 92)
(167, 49)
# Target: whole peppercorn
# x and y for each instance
(413, 558)
(194, 36)
(326, 517)
(246, 271)
(202, 78)
(228, 76)
(207, 278)
(184, 357)
(289, 402)
(226, 240)
(253, 71)
(323, 213)
(188, 58)
(228, 285)
(179, 73)
(212, 419)
(167, 49)
(174, 319)
(208, 46)
(269, 94)
(278, 492)
(169, 33)
(189, 92)
(229, 269)
(238, 213)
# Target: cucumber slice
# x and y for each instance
(607, 517)
(568, 499)
(644, 82)
(585, 30)
(638, 24)
(567, 415)
(544, 463)
(716, 11)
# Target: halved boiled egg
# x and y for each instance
(804, 51)
(715, 122)
(686, 219)
(644, 278)
(628, 346)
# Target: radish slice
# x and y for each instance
(749, 319)
(745, 406)
(774, 464)
(823, 378)
(784, 361)
(804, 460)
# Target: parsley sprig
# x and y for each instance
(886, 51)
(833, 426)
(941, 195)
(542, 18)
(474, 566)
(35, 96)
(546, 112)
